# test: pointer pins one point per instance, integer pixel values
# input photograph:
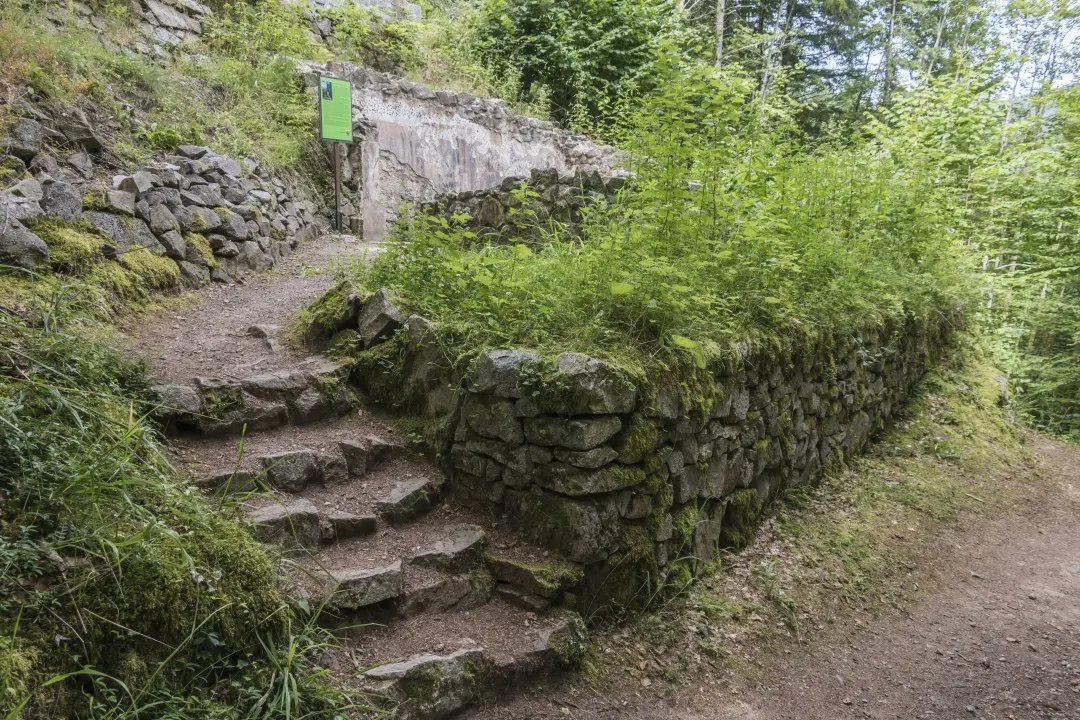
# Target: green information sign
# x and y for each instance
(335, 109)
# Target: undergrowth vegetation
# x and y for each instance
(123, 592)
(223, 98)
(730, 232)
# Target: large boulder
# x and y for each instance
(586, 386)
(378, 319)
(232, 225)
(139, 183)
(429, 687)
(194, 275)
(20, 209)
(573, 434)
(73, 123)
(498, 373)
(572, 481)
(162, 220)
(24, 138)
(174, 244)
(493, 418)
(61, 200)
(111, 227)
(22, 248)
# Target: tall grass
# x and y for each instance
(123, 593)
(730, 232)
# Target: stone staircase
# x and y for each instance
(437, 606)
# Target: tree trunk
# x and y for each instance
(886, 90)
(721, 6)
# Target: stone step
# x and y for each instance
(297, 522)
(311, 391)
(436, 562)
(346, 464)
(473, 653)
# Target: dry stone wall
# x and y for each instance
(164, 24)
(521, 207)
(638, 481)
(179, 206)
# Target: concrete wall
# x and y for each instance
(418, 143)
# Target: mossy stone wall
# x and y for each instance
(638, 486)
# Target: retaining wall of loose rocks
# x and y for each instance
(216, 217)
(636, 481)
(522, 206)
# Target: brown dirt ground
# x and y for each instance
(995, 633)
(208, 336)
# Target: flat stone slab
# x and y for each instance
(462, 548)
(355, 589)
(441, 592)
(410, 498)
(546, 580)
(341, 525)
(295, 522)
(430, 687)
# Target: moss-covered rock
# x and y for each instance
(638, 440)
(73, 247)
(741, 519)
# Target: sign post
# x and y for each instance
(336, 127)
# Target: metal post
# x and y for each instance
(337, 186)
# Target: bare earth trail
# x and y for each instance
(996, 635)
(209, 337)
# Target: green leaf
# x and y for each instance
(621, 288)
(685, 342)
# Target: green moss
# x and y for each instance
(219, 404)
(224, 214)
(380, 372)
(741, 519)
(151, 271)
(552, 576)
(639, 440)
(662, 497)
(421, 685)
(331, 313)
(633, 576)
(95, 200)
(685, 524)
(198, 224)
(202, 246)
(73, 247)
(11, 169)
(17, 662)
(344, 345)
(679, 576)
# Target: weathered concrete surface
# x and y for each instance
(415, 144)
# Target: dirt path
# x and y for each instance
(209, 337)
(997, 637)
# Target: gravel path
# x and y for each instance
(209, 337)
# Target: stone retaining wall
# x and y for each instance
(638, 482)
(216, 217)
(520, 206)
